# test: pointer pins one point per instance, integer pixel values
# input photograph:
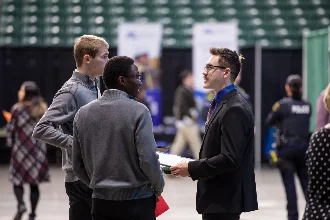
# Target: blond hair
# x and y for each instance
(87, 45)
(39, 109)
(326, 99)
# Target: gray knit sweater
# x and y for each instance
(114, 150)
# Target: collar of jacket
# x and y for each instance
(219, 106)
(85, 79)
(116, 93)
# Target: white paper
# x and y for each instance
(170, 159)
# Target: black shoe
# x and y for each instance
(32, 216)
(20, 211)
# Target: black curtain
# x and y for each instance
(51, 67)
(2, 61)
(48, 67)
(173, 62)
(277, 65)
(248, 72)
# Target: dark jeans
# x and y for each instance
(80, 200)
(221, 216)
(296, 157)
(136, 209)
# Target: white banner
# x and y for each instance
(142, 42)
(205, 36)
(135, 39)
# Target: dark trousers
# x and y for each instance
(221, 216)
(295, 157)
(136, 209)
(80, 200)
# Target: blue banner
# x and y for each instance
(269, 140)
(154, 99)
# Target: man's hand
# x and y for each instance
(181, 169)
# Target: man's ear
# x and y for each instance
(227, 73)
(121, 80)
(287, 90)
(86, 58)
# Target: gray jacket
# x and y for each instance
(56, 125)
(114, 150)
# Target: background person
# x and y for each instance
(290, 116)
(318, 170)
(28, 163)
(114, 151)
(56, 126)
(185, 112)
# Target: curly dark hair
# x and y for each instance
(229, 59)
(115, 67)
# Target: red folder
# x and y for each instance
(161, 206)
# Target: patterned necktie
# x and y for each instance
(212, 105)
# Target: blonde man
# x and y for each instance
(91, 55)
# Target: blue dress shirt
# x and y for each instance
(219, 96)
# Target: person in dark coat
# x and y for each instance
(290, 116)
(185, 112)
(225, 169)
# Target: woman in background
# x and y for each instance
(28, 163)
(318, 169)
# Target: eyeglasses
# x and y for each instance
(137, 76)
(209, 67)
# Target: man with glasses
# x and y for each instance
(225, 169)
(114, 151)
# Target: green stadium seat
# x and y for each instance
(31, 40)
(184, 43)
(6, 40)
(169, 42)
(59, 22)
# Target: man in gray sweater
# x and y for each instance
(114, 150)
(56, 126)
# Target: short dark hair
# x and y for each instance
(230, 59)
(185, 73)
(295, 83)
(115, 67)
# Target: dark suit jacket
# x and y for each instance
(225, 170)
